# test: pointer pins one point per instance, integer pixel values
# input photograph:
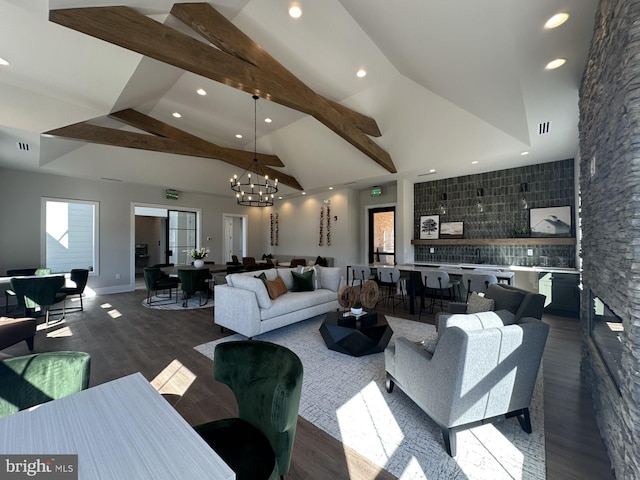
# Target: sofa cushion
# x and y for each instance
(506, 299)
(506, 316)
(322, 261)
(302, 282)
(295, 301)
(330, 277)
(473, 321)
(285, 274)
(257, 286)
(479, 303)
(275, 287)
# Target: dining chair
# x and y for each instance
(79, 277)
(266, 380)
(39, 292)
(193, 281)
(155, 279)
(34, 379)
(21, 272)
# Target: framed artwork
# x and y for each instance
(452, 230)
(429, 227)
(550, 222)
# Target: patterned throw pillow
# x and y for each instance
(477, 304)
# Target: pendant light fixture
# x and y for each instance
(256, 191)
(442, 208)
(523, 196)
(479, 205)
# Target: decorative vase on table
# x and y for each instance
(198, 263)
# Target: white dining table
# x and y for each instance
(123, 429)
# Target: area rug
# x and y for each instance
(163, 302)
(345, 396)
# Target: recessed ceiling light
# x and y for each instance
(295, 11)
(433, 170)
(238, 135)
(304, 193)
(176, 114)
(524, 153)
(279, 198)
(361, 73)
(201, 91)
(557, 20)
(557, 63)
(474, 162)
(330, 188)
(267, 120)
(4, 62)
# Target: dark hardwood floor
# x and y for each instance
(124, 337)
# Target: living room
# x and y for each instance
(22, 191)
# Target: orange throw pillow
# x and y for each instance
(276, 287)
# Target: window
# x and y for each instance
(70, 234)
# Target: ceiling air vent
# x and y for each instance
(23, 146)
(544, 127)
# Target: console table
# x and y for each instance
(120, 429)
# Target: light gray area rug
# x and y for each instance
(346, 397)
(163, 302)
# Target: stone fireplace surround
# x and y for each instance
(610, 214)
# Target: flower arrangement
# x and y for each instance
(198, 254)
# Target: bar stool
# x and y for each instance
(360, 273)
(478, 282)
(438, 281)
(390, 281)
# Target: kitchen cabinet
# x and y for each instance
(562, 292)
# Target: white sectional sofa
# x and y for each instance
(244, 306)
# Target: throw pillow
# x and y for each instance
(506, 299)
(330, 278)
(477, 304)
(322, 261)
(255, 285)
(302, 282)
(276, 287)
(263, 277)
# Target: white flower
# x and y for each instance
(198, 254)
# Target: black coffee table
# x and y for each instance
(368, 334)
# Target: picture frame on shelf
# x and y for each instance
(429, 227)
(551, 222)
(452, 230)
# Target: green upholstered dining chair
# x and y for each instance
(193, 281)
(155, 279)
(266, 380)
(34, 379)
(21, 272)
(79, 277)
(39, 292)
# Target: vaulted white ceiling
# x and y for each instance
(448, 83)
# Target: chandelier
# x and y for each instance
(256, 191)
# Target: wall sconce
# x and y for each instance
(523, 196)
(443, 204)
(479, 205)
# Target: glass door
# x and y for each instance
(382, 235)
(181, 236)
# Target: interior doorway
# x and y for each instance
(382, 235)
(235, 236)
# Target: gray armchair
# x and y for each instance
(511, 303)
(479, 371)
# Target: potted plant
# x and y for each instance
(198, 256)
(521, 232)
(356, 309)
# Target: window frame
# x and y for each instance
(96, 229)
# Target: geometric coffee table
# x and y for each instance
(369, 334)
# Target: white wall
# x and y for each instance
(20, 194)
(299, 223)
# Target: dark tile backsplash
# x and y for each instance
(548, 185)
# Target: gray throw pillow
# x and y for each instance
(479, 304)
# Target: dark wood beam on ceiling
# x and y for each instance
(125, 27)
(87, 132)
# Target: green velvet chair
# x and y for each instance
(79, 277)
(34, 379)
(266, 380)
(39, 292)
(21, 272)
(155, 279)
(193, 281)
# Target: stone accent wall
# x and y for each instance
(610, 189)
(549, 185)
